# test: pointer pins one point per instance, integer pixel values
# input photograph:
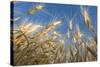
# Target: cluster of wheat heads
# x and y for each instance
(31, 47)
(86, 49)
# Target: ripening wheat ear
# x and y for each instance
(70, 24)
(68, 34)
(86, 19)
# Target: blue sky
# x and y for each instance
(60, 11)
